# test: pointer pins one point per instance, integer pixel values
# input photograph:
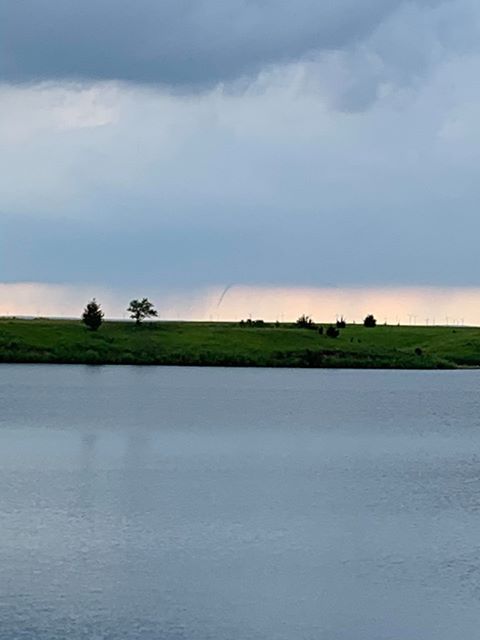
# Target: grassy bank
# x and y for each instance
(224, 344)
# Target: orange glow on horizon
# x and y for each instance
(404, 305)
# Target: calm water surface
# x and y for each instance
(194, 504)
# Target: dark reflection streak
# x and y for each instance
(135, 506)
(86, 488)
(135, 466)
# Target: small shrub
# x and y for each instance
(320, 330)
(370, 321)
(333, 332)
(252, 323)
(91, 356)
(418, 352)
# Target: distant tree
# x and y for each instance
(92, 316)
(305, 322)
(141, 309)
(370, 321)
(333, 332)
(320, 330)
(341, 324)
(252, 323)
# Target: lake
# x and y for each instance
(245, 504)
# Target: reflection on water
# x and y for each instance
(144, 503)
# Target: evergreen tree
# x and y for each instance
(92, 316)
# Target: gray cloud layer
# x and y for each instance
(174, 41)
(351, 157)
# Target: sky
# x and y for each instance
(172, 148)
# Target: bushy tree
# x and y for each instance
(305, 322)
(370, 321)
(92, 316)
(141, 309)
(341, 324)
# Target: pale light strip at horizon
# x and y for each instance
(404, 305)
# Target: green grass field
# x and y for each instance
(225, 344)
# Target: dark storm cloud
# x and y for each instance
(178, 42)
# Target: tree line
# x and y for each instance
(306, 322)
(140, 310)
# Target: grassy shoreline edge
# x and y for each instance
(48, 341)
